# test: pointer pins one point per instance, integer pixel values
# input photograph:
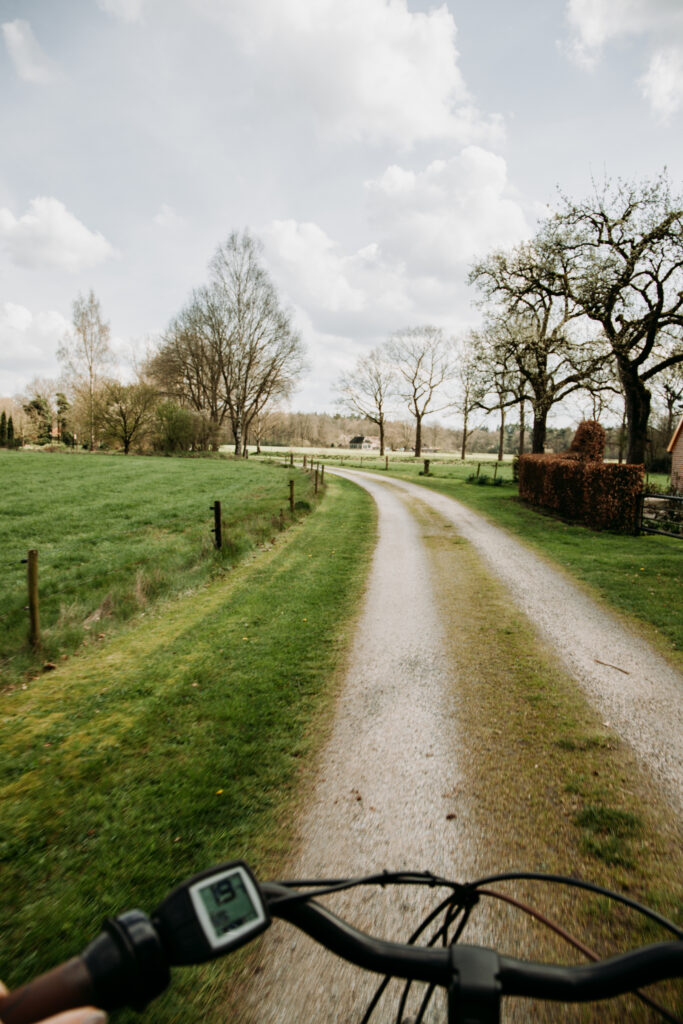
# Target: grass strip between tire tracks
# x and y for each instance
(181, 743)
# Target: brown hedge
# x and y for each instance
(602, 495)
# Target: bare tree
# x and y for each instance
(622, 250)
(424, 363)
(534, 319)
(471, 385)
(232, 349)
(501, 383)
(189, 366)
(265, 354)
(85, 353)
(367, 388)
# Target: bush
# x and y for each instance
(180, 430)
(578, 485)
(588, 444)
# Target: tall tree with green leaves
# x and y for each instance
(63, 405)
(40, 417)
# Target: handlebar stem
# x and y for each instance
(474, 993)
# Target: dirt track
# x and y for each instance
(390, 771)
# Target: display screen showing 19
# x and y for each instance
(227, 904)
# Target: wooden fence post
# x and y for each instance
(386, 462)
(478, 468)
(291, 496)
(322, 473)
(495, 470)
(315, 490)
(291, 458)
(426, 470)
(217, 525)
(304, 461)
(34, 612)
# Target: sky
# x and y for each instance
(376, 147)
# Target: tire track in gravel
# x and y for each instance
(387, 780)
(638, 693)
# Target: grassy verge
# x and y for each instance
(552, 787)
(115, 534)
(179, 744)
(640, 576)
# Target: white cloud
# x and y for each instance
(428, 227)
(30, 62)
(437, 220)
(595, 23)
(307, 256)
(48, 235)
(127, 10)
(369, 70)
(28, 344)
(662, 84)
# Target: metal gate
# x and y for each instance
(661, 513)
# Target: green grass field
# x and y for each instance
(114, 534)
(640, 576)
(180, 743)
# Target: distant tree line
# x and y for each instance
(226, 356)
(589, 310)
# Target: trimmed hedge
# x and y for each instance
(578, 485)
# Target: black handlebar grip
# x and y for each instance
(62, 988)
(125, 965)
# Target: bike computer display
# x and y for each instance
(227, 906)
(211, 913)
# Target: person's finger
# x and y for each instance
(84, 1015)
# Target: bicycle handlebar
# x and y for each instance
(602, 980)
(126, 965)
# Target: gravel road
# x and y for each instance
(389, 776)
(639, 694)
